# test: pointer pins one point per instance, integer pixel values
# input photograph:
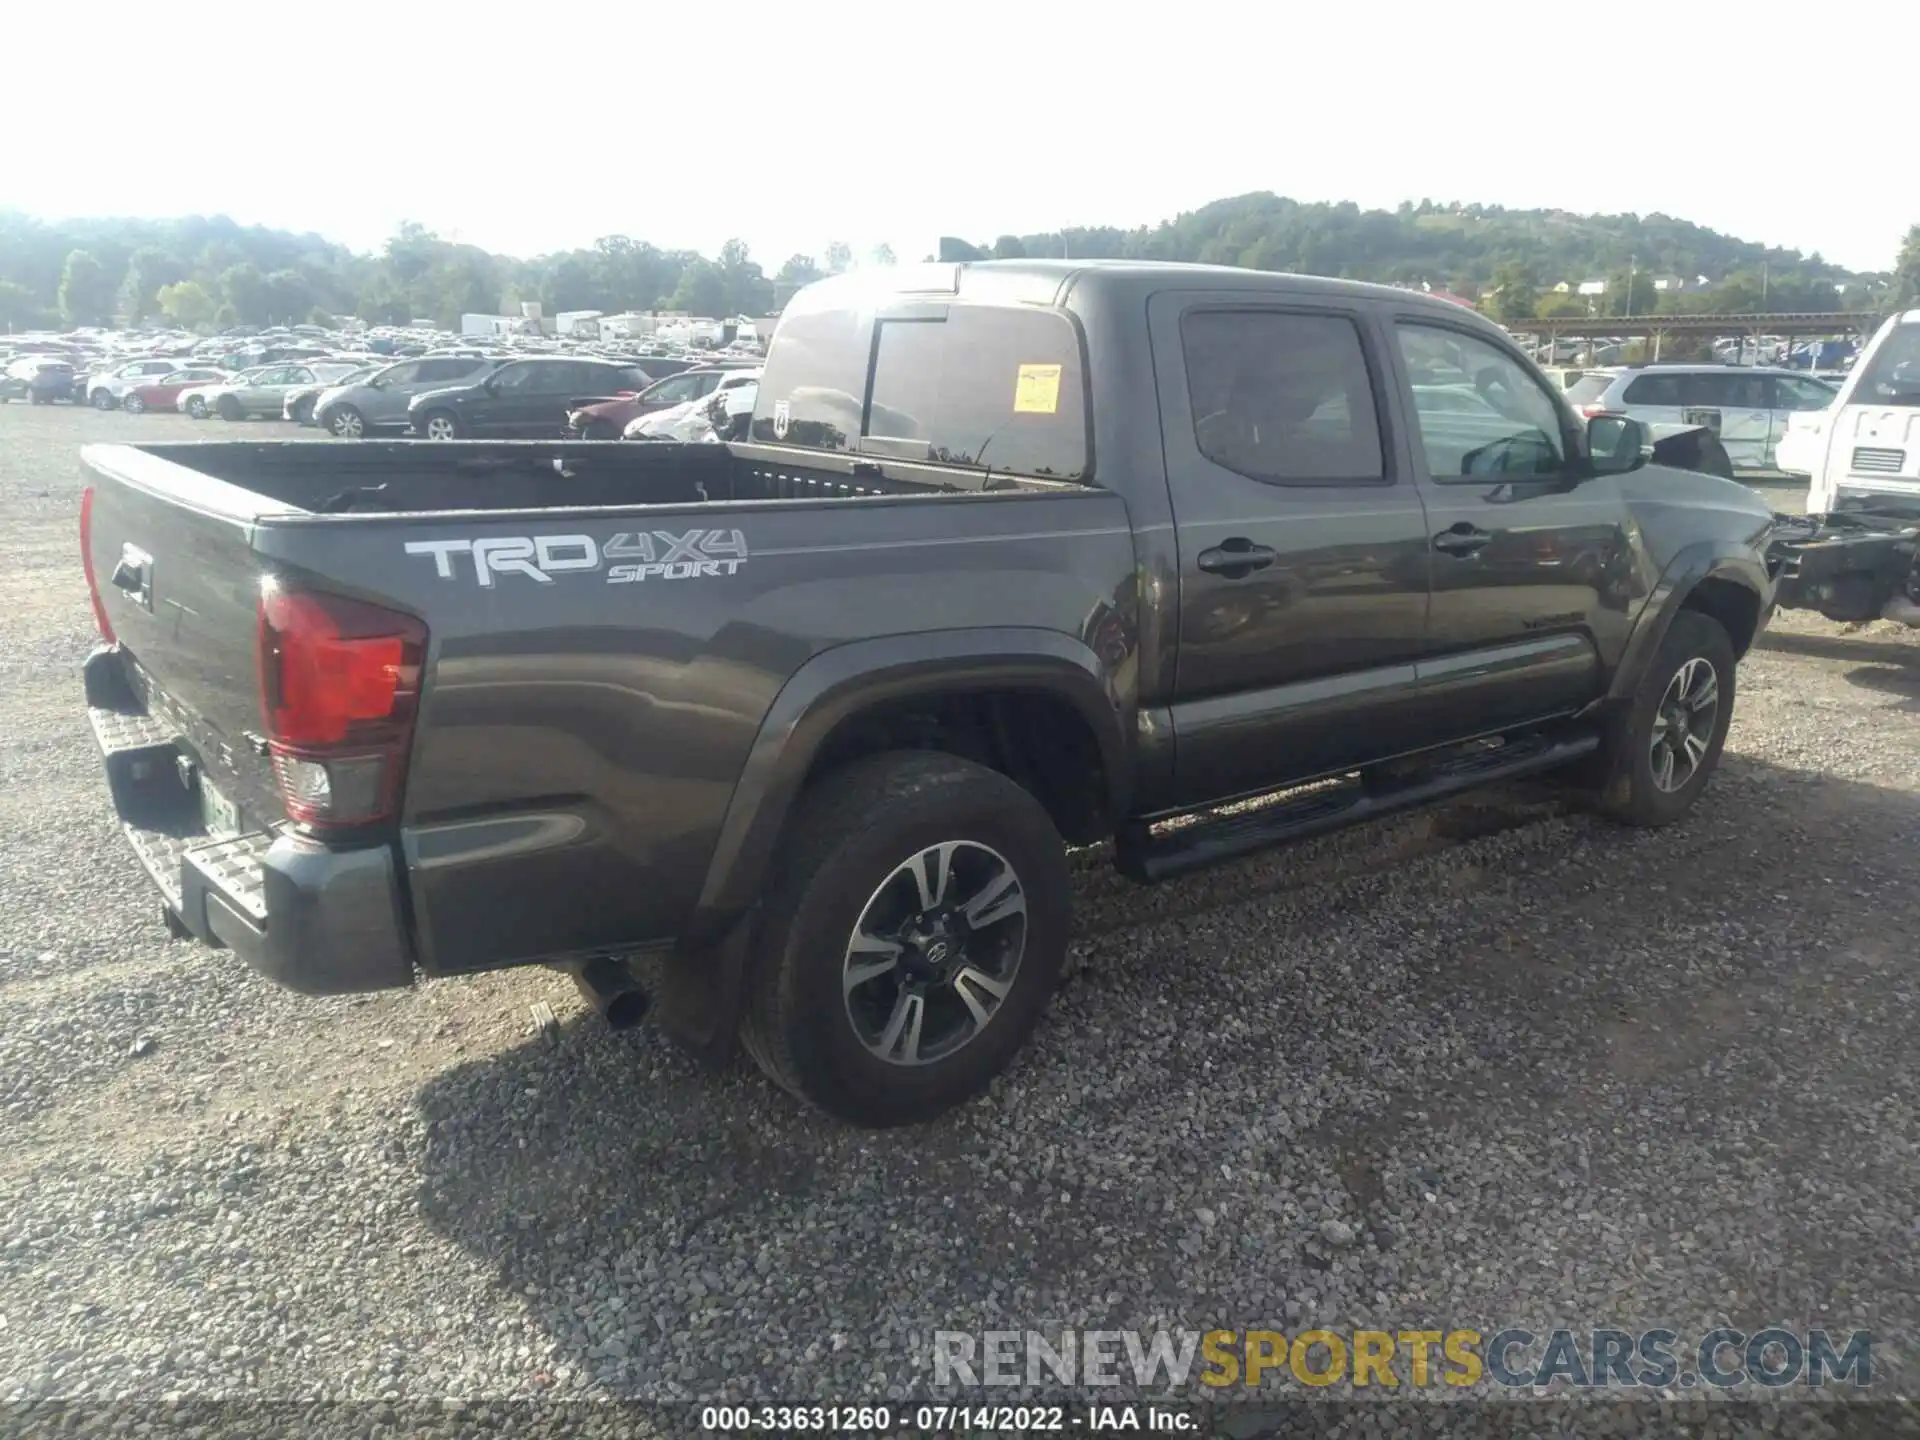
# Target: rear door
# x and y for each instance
(1302, 541)
(1735, 404)
(1655, 396)
(1531, 567)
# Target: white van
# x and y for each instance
(1868, 441)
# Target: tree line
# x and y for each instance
(210, 271)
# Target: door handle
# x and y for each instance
(1462, 539)
(1235, 558)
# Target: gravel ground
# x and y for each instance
(1498, 1064)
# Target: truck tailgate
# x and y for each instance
(179, 585)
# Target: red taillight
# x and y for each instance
(1593, 411)
(339, 682)
(86, 564)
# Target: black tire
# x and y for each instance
(600, 430)
(196, 408)
(133, 405)
(845, 843)
(227, 408)
(1633, 792)
(102, 399)
(303, 412)
(346, 423)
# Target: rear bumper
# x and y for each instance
(314, 919)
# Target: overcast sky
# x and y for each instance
(527, 128)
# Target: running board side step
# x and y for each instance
(1142, 855)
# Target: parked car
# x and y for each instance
(379, 402)
(196, 401)
(38, 379)
(165, 393)
(299, 403)
(264, 390)
(827, 776)
(106, 388)
(611, 419)
(1748, 407)
(522, 397)
(723, 415)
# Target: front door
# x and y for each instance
(1532, 574)
(1302, 542)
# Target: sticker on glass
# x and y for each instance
(1037, 390)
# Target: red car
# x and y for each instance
(164, 393)
(608, 419)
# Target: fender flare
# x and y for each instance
(838, 683)
(1703, 560)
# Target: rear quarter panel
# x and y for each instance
(581, 736)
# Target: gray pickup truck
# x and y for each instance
(1017, 556)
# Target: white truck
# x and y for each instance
(1866, 445)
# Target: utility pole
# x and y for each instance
(1633, 271)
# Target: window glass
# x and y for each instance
(1518, 435)
(988, 385)
(521, 377)
(1282, 397)
(405, 374)
(674, 389)
(1726, 390)
(816, 374)
(1588, 388)
(1792, 393)
(1655, 390)
(1893, 375)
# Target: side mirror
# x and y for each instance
(1617, 444)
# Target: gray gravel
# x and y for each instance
(1499, 1064)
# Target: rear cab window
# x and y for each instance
(1892, 375)
(996, 388)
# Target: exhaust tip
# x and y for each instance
(609, 986)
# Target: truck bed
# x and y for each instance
(422, 477)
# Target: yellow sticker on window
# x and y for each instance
(1037, 391)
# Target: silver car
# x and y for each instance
(264, 391)
(380, 403)
(1748, 407)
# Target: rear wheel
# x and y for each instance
(1669, 743)
(347, 423)
(102, 399)
(133, 405)
(910, 940)
(303, 412)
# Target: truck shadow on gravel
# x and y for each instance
(1550, 1070)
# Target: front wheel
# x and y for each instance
(103, 399)
(440, 425)
(347, 423)
(1669, 743)
(916, 928)
(228, 408)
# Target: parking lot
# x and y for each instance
(1534, 1070)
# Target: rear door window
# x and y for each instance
(1654, 390)
(1282, 397)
